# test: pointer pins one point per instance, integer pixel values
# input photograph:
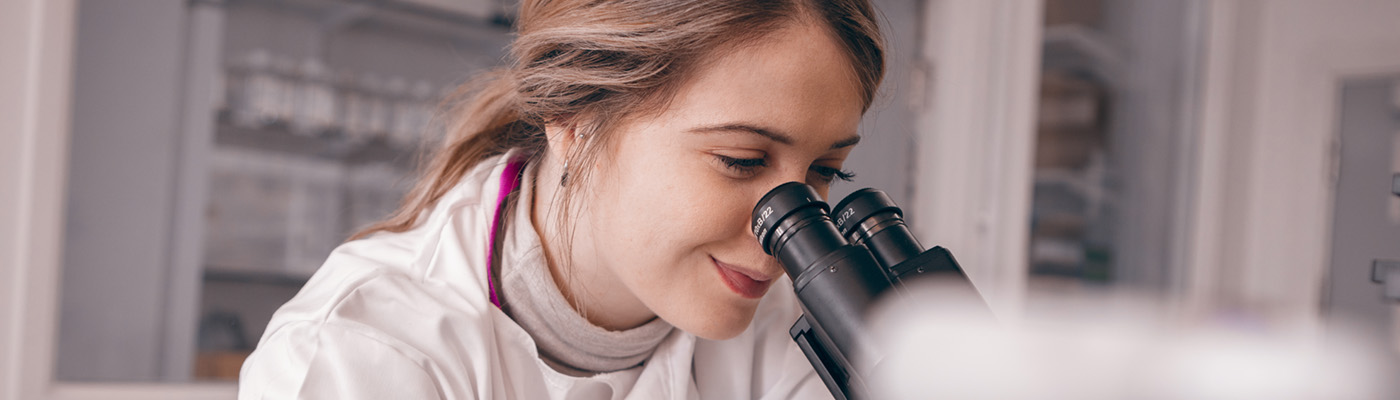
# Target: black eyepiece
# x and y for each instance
(869, 217)
(792, 224)
(859, 205)
(777, 205)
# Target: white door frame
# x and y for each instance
(36, 39)
(1261, 231)
(976, 140)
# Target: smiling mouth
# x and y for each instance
(741, 282)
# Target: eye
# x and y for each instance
(826, 175)
(744, 166)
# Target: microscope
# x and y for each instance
(841, 263)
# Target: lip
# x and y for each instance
(748, 284)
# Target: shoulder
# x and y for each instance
(435, 269)
(381, 299)
(409, 305)
(307, 359)
(361, 330)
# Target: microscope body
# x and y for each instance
(840, 267)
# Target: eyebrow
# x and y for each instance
(768, 133)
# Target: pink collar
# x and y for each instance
(510, 181)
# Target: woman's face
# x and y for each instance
(666, 228)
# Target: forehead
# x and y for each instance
(797, 79)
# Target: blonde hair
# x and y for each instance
(591, 63)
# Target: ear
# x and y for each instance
(562, 137)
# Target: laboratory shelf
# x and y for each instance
(239, 275)
(329, 146)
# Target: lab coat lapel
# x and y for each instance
(667, 374)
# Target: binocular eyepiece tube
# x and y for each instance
(869, 217)
(839, 268)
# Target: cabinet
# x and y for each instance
(213, 170)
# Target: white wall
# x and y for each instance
(885, 157)
(1264, 175)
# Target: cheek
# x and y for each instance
(658, 217)
(669, 205)
(661, 217)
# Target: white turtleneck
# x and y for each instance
(530, 296)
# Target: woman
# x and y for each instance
(583, 232)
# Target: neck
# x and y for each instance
(590, 287)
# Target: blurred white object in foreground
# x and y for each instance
(1103, 347)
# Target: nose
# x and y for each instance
(796, 173)
(791, 174)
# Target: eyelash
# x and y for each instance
(749, 166)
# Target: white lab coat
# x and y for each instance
(407, 316)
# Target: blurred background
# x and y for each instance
(1233, 161)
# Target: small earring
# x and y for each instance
(564, 179)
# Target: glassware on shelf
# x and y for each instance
(349, 108)
(256, 91)
(247, 210)
(288, 94)
(400, 110)
(224, 82)
(313, 99)
(271, 93)
(413, 111)
(314, 210)
(371, 113)
(273, 213)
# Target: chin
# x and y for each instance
(718, 325)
